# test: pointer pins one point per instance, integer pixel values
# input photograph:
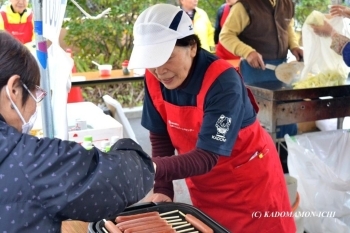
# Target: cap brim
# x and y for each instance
(150, 56)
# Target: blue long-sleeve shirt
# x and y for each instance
(45, 181)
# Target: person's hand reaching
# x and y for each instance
(325, 30)
(298, 53)
(255, 60)
(157, 197)
(339, 10)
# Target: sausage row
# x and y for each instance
(154, 222)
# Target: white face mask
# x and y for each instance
(26, 127)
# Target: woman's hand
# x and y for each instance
(325, 30)
(339, 10)
(157, 197)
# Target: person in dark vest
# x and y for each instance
(221, 16)
(198, 105)
(261, 32)
(17, 19)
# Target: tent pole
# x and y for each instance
(41, 52)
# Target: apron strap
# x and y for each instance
(212, 73)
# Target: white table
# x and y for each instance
(100, 126)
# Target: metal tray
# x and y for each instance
(161, 208)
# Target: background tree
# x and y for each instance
(109, 41)
(304, 8)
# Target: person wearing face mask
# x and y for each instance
(17, 19)
(197, 104)
(201, 23)
(46, 181)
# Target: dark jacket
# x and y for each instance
(45, 181)
(218, 26)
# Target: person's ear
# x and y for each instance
(15, 88)
(193, 50)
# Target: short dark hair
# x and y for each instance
(16, 59)
(189, 40)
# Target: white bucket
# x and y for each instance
(292, 185)
(294, 199)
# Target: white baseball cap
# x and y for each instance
(156, 31)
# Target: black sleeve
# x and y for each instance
(217, 24)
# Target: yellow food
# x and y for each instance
(324, 79)
(315, 18)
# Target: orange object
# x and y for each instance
(235, 63)
(105, 73)
(75, 95)
(125, 63)
(296, 203)
(125, 67)
(105, 70)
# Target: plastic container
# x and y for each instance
(105, 146)
(87, 143)
(125, 67)
(162, 207)
(88, 138)
(292, 185)
(105, 70)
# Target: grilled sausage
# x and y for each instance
(109, 225)
(198, 224)
(125, 225)
(149, 219)
(147, 226)
(134, 216)
(163, 229)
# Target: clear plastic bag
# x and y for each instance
(320, 162)
(318, 56)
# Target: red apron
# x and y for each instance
(22, 31)
(221, 52)
(236, 187)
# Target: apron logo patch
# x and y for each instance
(222, 126)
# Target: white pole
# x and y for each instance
(41, 52)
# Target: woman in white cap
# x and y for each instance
(198, 105)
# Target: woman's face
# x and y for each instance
(174, 72)
(19, 5)
(189, 4)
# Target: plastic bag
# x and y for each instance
(318, 56)
(320, 162)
